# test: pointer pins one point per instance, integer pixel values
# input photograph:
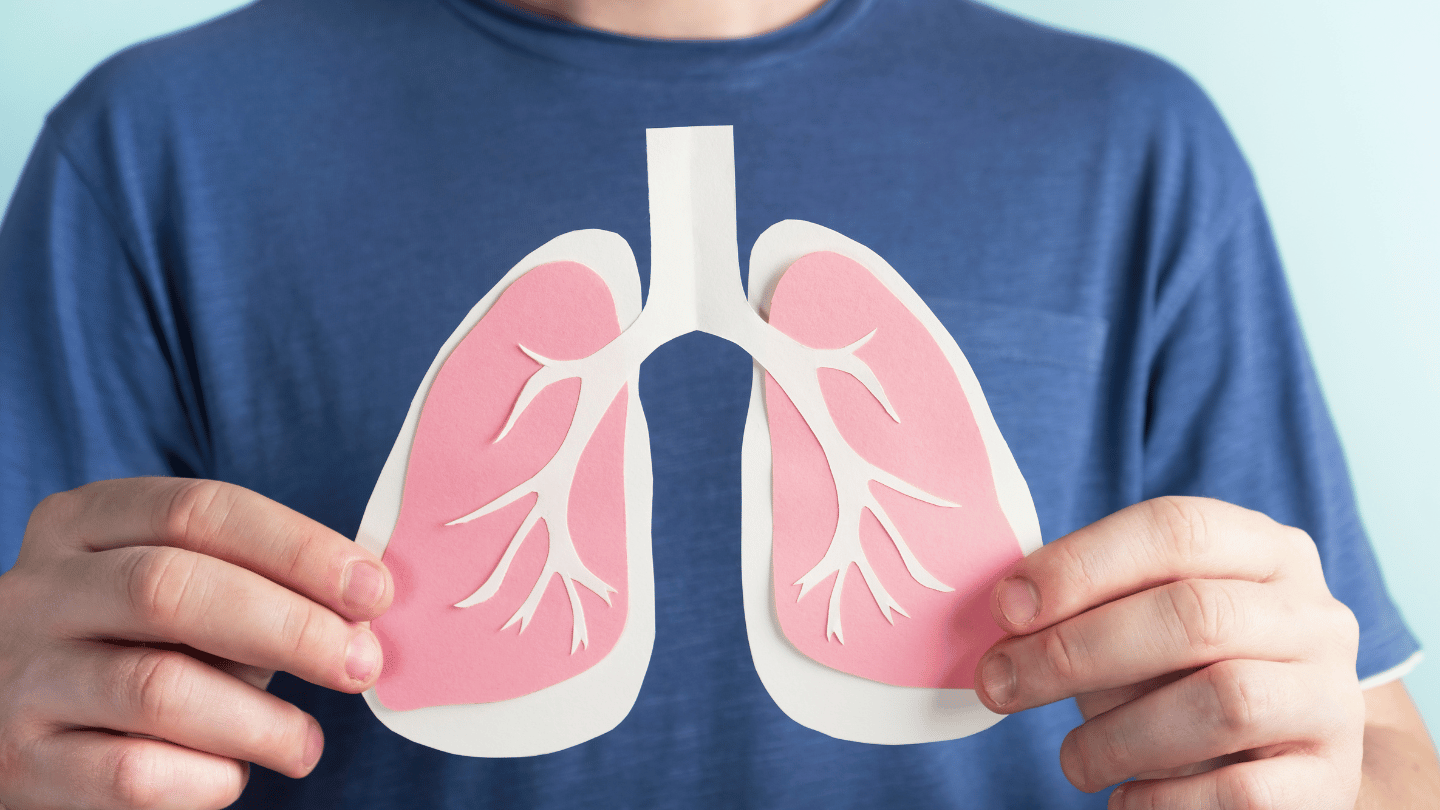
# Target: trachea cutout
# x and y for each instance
(880, 503)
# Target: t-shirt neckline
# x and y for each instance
(605, 52)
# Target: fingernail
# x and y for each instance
(363, 656)
(1019, 601)
(364, 585)
(997, 676)
(314, 744)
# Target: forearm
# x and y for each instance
(1400, 768)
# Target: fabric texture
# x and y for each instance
(236, 250)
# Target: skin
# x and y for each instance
(675, 19)
(140, 626)
(1211, 664)
(144, 617)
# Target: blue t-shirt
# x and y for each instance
(236, 250)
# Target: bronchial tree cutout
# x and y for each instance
(552, 485)
(696, 286)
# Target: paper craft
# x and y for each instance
(908, 492)
(880, 501)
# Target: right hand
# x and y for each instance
(140, 626)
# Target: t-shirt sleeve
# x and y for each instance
(88, 382)
(1235, 412)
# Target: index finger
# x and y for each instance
(1142, 547)
(233, 524)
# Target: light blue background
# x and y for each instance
(1337, 105)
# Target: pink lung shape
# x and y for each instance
(439, 654)
(826, 300)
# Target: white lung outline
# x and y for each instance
(830, 701)
(596, 700)
(695, 287)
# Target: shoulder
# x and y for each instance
(1079, 72)
(159, 114)
(1126, 120)
(1058, 91)
(1106, 137)
(159, 70)
(236, 65)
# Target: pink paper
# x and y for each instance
(439, 654)
(826, 300)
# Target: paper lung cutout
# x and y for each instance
(893, 500)
(456, 678)
(830, 697)
(554, 602)
(899, 593)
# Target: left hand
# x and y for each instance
(1206, 654)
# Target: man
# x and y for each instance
(235, 251)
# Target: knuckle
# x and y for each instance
(194, 512)
(303, 631)
(157, 686)
(304, 547)
(159, 580)
(1098, 753)
(135, 774)
(237, 778)
(53, 508)
(1081, 568)
(1237, 703)
(1345, 627)
(1110, 754)
(1203, 612)
(47, 523)
(283, 736)
(1124, 798)
(1180, 523)
(1246, 789)
(1064, 651)
(1299, 541)
(1302, 554)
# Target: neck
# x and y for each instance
(675, 19)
